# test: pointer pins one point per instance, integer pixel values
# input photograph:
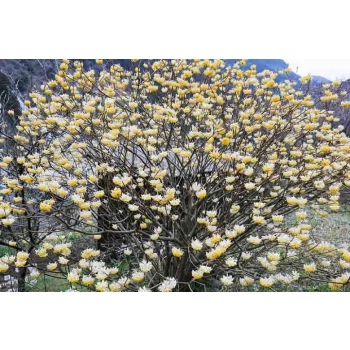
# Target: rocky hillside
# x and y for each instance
(277, 65)
(27, 73)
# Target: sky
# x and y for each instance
(331, 69)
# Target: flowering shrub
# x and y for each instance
(179, 174)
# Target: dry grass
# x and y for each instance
(334, 229)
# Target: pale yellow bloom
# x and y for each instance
(310, 267)
(201, 194)
(177, 252)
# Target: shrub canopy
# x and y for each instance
(179, 175)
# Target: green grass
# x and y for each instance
(47, 283)
(333, 229)
(7, 251)
(54, 283)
